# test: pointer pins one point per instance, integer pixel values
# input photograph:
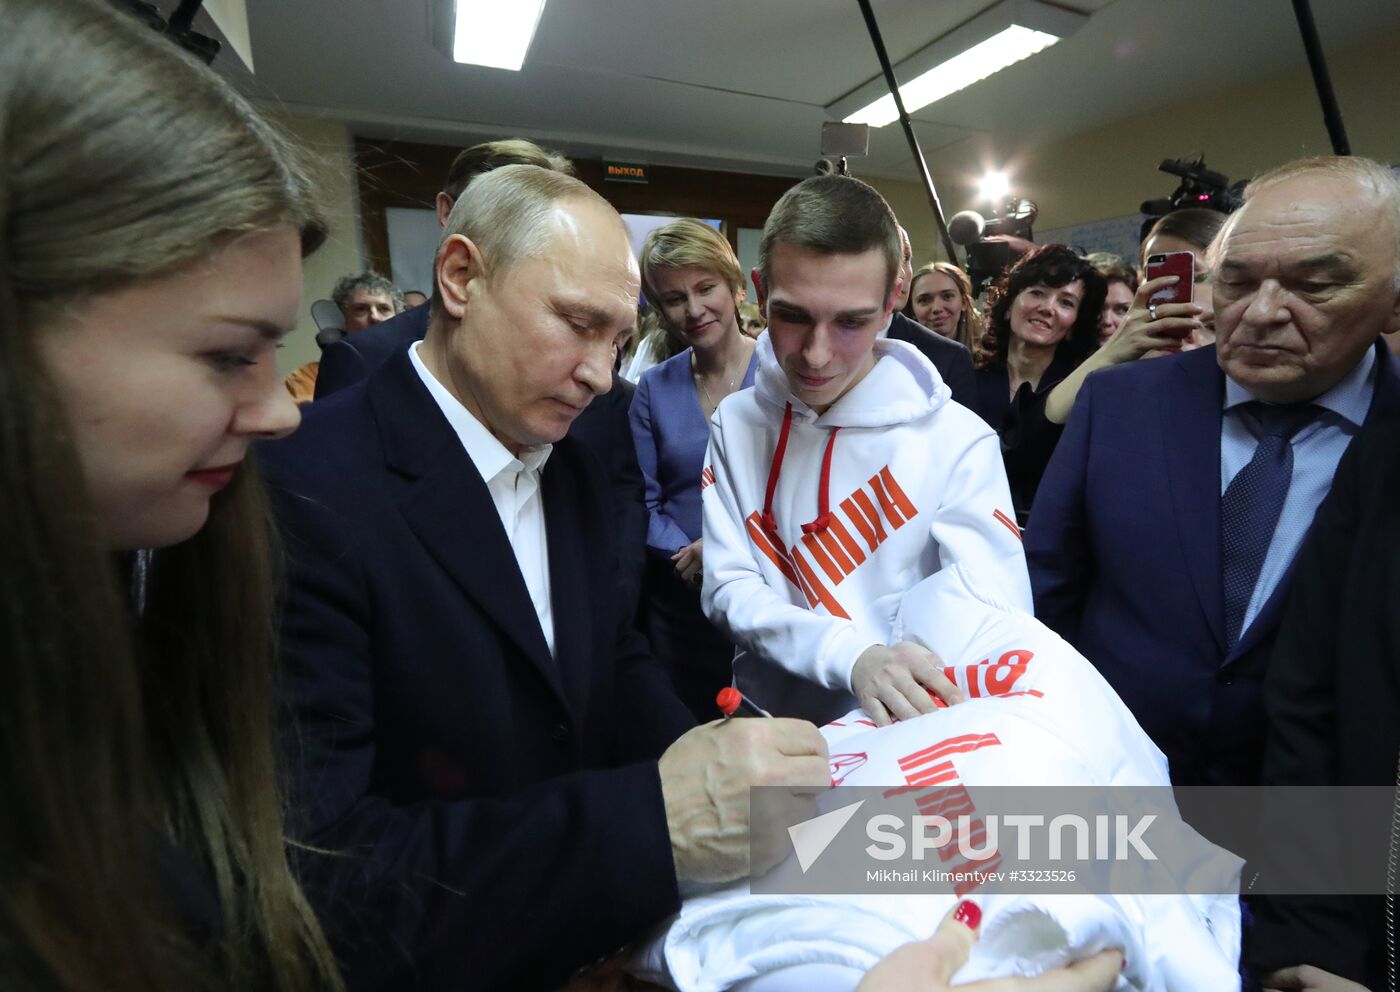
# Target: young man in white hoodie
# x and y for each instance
(844, 477)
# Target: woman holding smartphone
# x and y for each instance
(1151, 330)
(151, 233)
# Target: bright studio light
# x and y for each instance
(495, 33)
(993, 186)
(974, 64)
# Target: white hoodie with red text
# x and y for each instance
(816, 526)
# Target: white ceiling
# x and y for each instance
(742, 83)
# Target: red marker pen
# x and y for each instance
(732, 702)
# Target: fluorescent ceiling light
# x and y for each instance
(975, 64)
(495, 33)
(1003, 35)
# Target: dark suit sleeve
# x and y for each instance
(1300, 697)
(628, 493)
(518, 889)
(341, 365)
(961, 379)
(1057, 535)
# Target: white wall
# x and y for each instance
(331, 160)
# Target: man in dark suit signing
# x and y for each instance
(603, 427)
(1162, 539)
(494, 779)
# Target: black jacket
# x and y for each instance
(492, 813)
(1333, 700)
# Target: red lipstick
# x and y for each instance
(215, 478)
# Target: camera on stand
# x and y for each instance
(993, 243)
(1200, 187)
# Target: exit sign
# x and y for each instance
(626, 172)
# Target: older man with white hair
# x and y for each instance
(1162, 539)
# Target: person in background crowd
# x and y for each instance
(1043, 325)
(953, 362)
(1193, 230)
(751, 320)
(481, 736)
(146, 282)
(1164, 532)
(1122, 280)
(845, 475)
(1149, 331)
(940, 298)
(690, 270)
(364, 299)
(414, 298)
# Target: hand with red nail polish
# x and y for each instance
(929, 965)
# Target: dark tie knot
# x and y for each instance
(1281, 422)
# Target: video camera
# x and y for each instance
(989, 253)
(1200, 187)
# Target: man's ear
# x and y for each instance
(458, 270)
(1393, 324)
(444, 207)
(895, 292)
(759, 291)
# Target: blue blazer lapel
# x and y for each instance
(447, 505)
(1190, 424)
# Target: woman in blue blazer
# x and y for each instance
(691, 275)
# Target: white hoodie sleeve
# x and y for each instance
(739, 600)
(975, 523)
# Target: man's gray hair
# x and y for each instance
(371, 282)
(1382, 180)
(832, 215)
(506, 213)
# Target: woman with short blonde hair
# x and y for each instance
(692, 277)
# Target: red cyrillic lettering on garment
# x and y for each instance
(794, 567)
(844, 764)
(707, 478)
(834, 550)
(893, 515)
(961, 744)
(901, 501)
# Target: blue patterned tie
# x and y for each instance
(1250, 508)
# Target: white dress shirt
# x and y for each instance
(514, 484)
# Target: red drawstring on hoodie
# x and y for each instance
(776, 469)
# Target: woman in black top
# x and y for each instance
(1043, 324)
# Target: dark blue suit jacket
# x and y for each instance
(495, 813)
(603, 427)
(1124, 553)
(953, 361)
